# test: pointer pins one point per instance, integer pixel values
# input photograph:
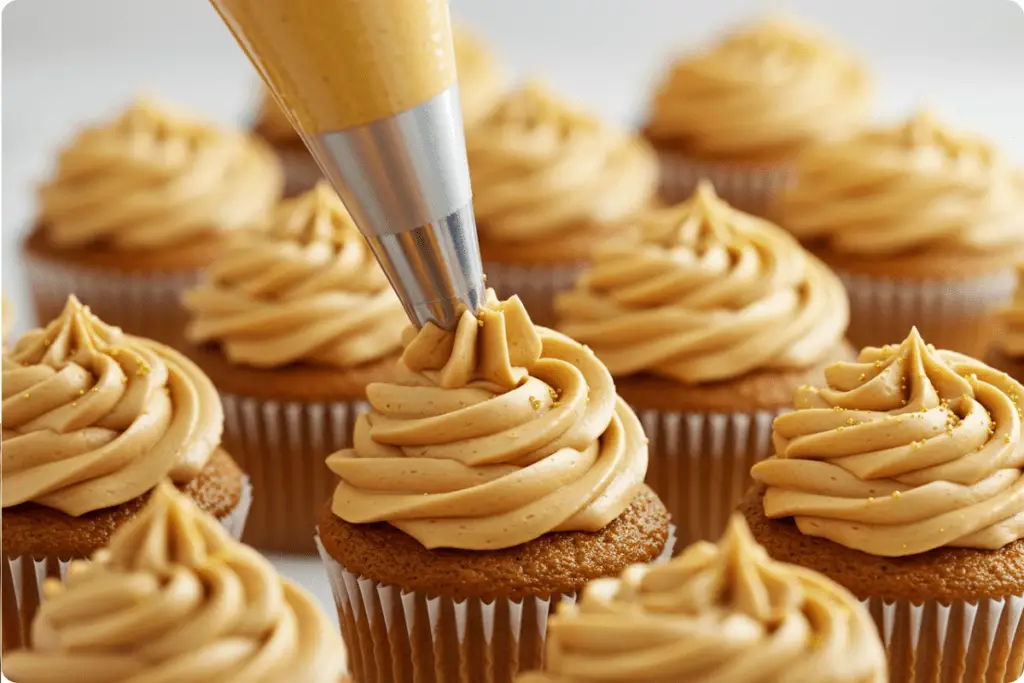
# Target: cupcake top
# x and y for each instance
(304, 288)
(543, 170)
(1011, 341)
(906, 450)
(481, 78)
(763, 92)
(93, 418)
(707, 293)
(724, 612)
(174, 598)
(917, 189)
(491, 436)
(156, 178)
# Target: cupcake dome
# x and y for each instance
(174, 598)
(724, 612)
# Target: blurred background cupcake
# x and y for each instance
(1006, 349)
(709, 321)
(7, 314)
(550, 181)
(923, 223)
(495, 476)
(739, 111)
(172, 597)
(291, 323)
(902, 479)
(724, 612)
(93, 419)
(136, 207)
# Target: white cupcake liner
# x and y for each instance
(535, 285)
(748, 187)
(953, 315)
(700, 464)
(965, 642)
(395, 636)
(147, 304)
(282, 446)
(23, 578)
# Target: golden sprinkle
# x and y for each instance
(95, 390)
(535, 402)
(849, 421)
(871, 499)
(896, 494)
(863, 375)
(878, 363)
(904, 546)
(839, 429)
(1006, 438)
(479, 322)
(485, 277)
(27, 395)
(836, 408)
(916, 445)
(74, 403)
(81, 392)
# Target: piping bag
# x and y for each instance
(371, 87)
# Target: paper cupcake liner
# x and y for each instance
(23, 579)
(141, 303)
(535, 285)
(394, 636)
(747, 187)
(965, 642)
(950, 315)
(700, 465)
(282, 446)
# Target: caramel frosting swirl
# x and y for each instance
(306, 289)
(1011, 341)
(156, 178)
(724, 612)
(906, 450)
(543, 169)
(492, 436)
(917, 187)
(481, 78)
(708, 293)
(93, 418)
(764, 91)
(175, 599)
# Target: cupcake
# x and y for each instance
(923, 224)
(7, 313)
(549, 182)
(902, 479)
(173, 598)
(494, 477)
(1006, 351)
(740, 111)
(709, 321)
(93, 419)
(724, 612)
(136, 207)
(481, 82)
(291, 323)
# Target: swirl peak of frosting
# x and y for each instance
(156, 178)
(724, 612)
(708, 293)
(906, 450)
(93, 418)
(914, 188)
(491, 436)
(543, 168)
(304, 289)
(766, 90)
(174, 598)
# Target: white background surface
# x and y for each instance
(68, 60)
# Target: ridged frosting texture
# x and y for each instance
(724, 612)
(906, 450)
(491, 436)
(304, 289)
(1011, 339)
(708, 293)
(156, 178)
(918, 187)
(175, 599)
(542, 169)
(765, 90)
(93, 418)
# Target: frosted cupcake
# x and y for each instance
(93, 419)
(292, 323)
(902, 478)
(550, 181)
(174, 598)
(136, 207)
(709, 321)
(494, 477)
(924, 225)
(724, 612)
(738, 112)
(1006, 350)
